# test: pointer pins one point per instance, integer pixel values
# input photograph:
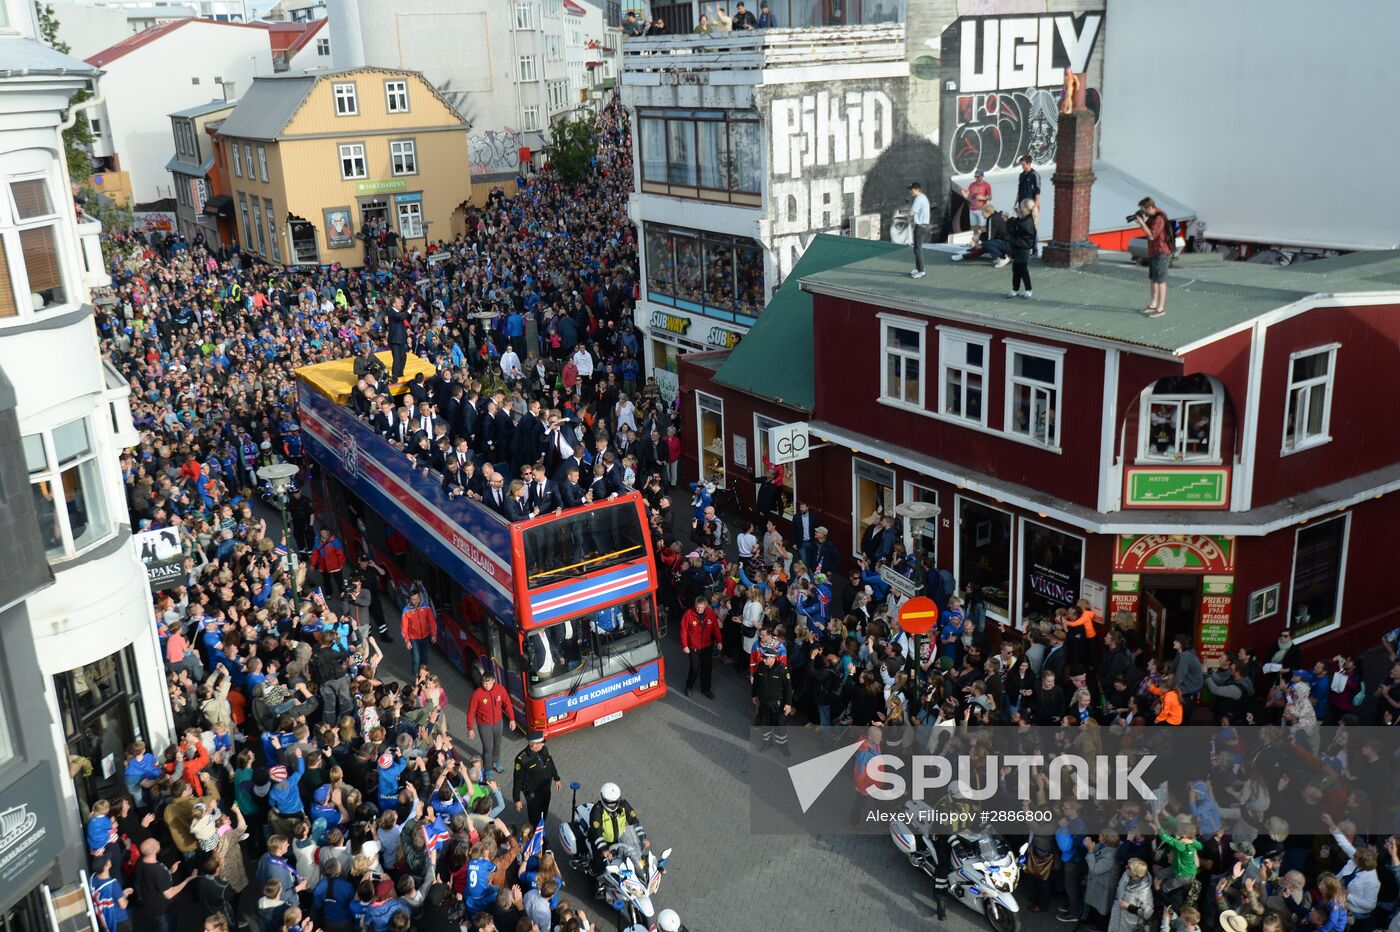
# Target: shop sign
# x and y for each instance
(1124, 597)
(1217, 596)
(1174, 553)
(161, 555)
(1097, 594)
(388, 184)
(668, 382)
(671, 323)
(1052, 585)
(722, 338)
(31, 832)
(788, 443)
(1175, 487)
(741, 451)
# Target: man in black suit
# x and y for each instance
(424, 422)
(441, 385)
(526, 442)
(495, 488)
(474, 481)
(450, 408)
(571, 494)
(465, 424)
(504, 432)
(561, 472)
(543, 494)
(486, 442)
(418, 388)
(397, 319)
(804, 532)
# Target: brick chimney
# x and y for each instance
(1074, 181)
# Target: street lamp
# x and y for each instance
(916, 515)
(279, 478)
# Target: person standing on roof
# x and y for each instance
(1153, 224)
(918, 226)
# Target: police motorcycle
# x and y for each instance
(982, 872)
(630, 876)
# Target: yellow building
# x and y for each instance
(314, 159)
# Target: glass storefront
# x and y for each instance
(1052, 571)
(984, 555)
(1317, 576)
(100, 705)
(788, 491)
(710, 416)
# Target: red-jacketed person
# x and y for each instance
(489, 710)
(700, 635)
(419, 629)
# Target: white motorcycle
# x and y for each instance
(630, 877)
(983, 871)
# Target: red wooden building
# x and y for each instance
(1225, 471)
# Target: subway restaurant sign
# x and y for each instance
(1174, 553)
(1175, 487)
(375, 187)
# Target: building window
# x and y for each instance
(1052, 571)
(1309, 412)
(403, 156)
(352, 161)
(66, 479)
(1033, 392)
(237, 161)
(262, 162)
(527, 68)
(346, 103)
(529, 119)
(720, 151)
(33, 259)
(396, 96)
(786, 472)
(248, 157)
(962, 381)
(524, 14)
(247, 222)
(96, 126)
(902, 351)
(721, 276)
(410, 219)
(983, 555)
(258, 226)
(710, 416)
(1181, 419)
(1319, 576)
(101, 708)
(323, 47)
(272, 231)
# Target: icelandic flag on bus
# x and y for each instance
(535, 846)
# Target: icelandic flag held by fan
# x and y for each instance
(280, 550)
(535, 846)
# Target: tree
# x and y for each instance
(77, 139)
(575, 142)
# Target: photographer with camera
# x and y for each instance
(1154, 226)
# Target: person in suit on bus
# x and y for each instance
(486, 437)
(527, 442)
(571, 494)
(517, 507)
(495, 488)
(544, 495)
(572, 461)
(450, 408)
(467, 416)
(385, 420)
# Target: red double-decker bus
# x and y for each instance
(562, 607)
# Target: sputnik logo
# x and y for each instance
(811, 777)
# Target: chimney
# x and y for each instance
(1074, 180)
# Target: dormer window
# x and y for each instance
(1181, 420)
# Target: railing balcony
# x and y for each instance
(760, 50)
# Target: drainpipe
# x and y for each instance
(515, 58)
(98, 99)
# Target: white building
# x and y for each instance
(93, 631)
(746, 145)
(503, 65)
(162, 70)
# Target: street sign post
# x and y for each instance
(918, 616)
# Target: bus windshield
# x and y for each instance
(583, 542)
(600, 644)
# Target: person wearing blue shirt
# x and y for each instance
(479, 892)
(391, 766)
(284, 796)
(109, 898)
(100, 830)
(1069, 838)
(323, 808)
(332, 898)
(142, 771)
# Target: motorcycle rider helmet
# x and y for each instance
(668, 921)
(611, 794)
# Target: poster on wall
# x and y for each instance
(155, 221)
(668, 382)
(1263, 603)
(1124, 593)
(340, 232)
(1217, 598)
(1053, 564)
(161, 555)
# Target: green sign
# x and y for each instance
(1171, 487)
(1215, 634)
(374, 187)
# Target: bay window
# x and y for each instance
(66, 481)
(1180, 419)
(719, 275)
(902, 352)
(31, 256)
(1033, 376)
(712, 155)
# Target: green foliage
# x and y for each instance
(77, 140)
(574, 143)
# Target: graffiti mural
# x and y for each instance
(1010, 75)
(492, 152)
(841, 159)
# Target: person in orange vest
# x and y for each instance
(1081, 634)
(1171, 711)
(328, 558)
(419, 625)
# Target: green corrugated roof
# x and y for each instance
(1104, 300)
(774, 360)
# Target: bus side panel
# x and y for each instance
(464, 545)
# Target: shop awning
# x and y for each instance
(220, 205)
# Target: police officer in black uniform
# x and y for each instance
(534, 774)
(772, 698)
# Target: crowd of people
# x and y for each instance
(308, 788)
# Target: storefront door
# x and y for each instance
(1175, 602)
(100, 705)
(872, 496)
(710, 454)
